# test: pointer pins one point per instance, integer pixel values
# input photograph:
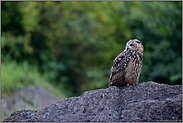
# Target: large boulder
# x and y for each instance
(30, 97)
(144, 102)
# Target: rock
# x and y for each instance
(30, 97)
(146, 102)
(36, 96)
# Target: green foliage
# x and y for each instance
(15, 77)
(75, 43)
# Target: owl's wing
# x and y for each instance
(118, 69)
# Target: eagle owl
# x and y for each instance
(127, 65)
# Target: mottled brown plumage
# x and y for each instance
(127, 65)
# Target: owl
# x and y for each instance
(127, 65)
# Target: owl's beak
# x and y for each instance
(128, 47)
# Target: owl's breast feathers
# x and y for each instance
(126, 68)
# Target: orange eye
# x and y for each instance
(131, 45)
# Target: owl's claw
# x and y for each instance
(135, 85)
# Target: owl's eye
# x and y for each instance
(131, 45)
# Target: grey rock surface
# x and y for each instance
(142, 103)
(30, 97)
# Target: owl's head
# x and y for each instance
(135, 45)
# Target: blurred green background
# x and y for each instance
(70, 46)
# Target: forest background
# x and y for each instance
(69, 47)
